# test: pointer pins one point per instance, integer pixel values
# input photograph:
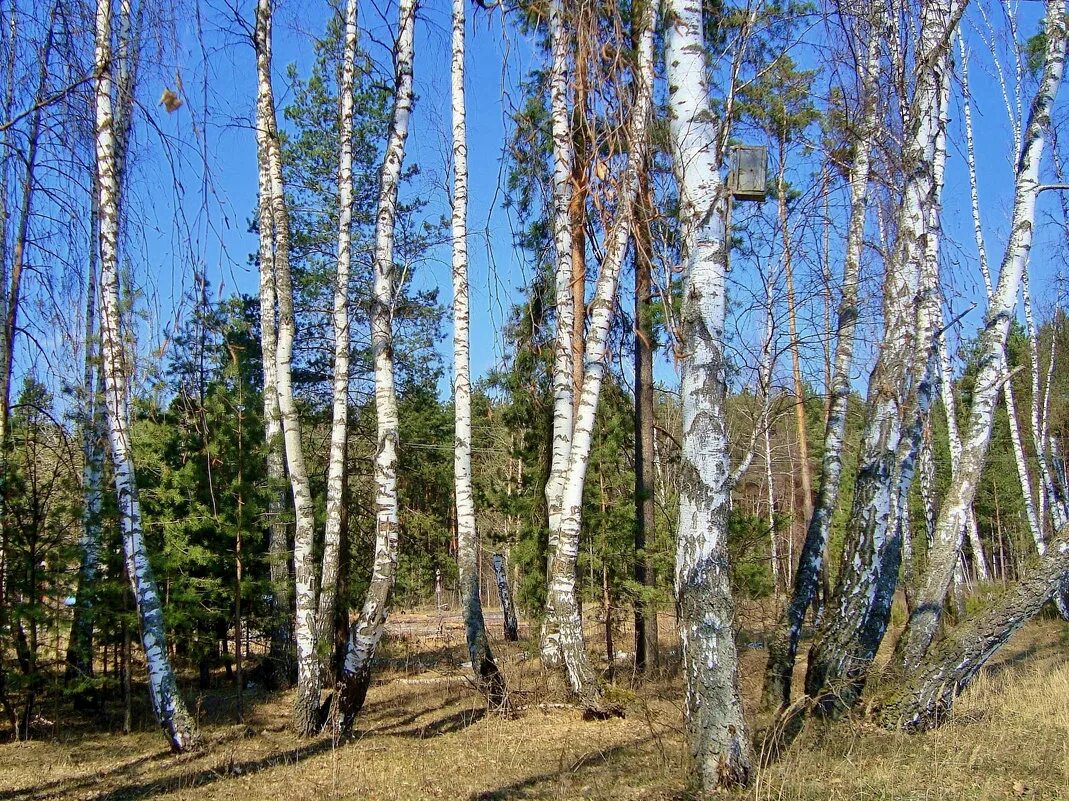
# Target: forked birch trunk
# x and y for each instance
(167, 704)
(563, 394)
(900, 390)
(366, 631)
(717, 735)
(482, 658)
(582, 678)
(924, 621)
(783, 648)
(925, 698)
(309, 679)
(339, 429)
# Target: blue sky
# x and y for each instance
(181, 211)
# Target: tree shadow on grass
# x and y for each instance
(585, 764)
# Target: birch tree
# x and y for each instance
(276, 308)
(167, 704)
(366, 631)
(582, 678)
(482, 658)
(562, 347)
(783, 648)
(900, 389)
(924, 621)
(717, 734)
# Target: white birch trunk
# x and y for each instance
(366, 631)
(900, 389)
(563, 393)
(309, 679)
(717, 734)
(783, 648)
(339, 429)
(482, 658)
(924, 621)
(582, 678)
(163, 688)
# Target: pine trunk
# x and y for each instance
(582, 678)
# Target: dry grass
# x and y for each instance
(424, 736)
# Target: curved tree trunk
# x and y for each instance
(924, 700)
(367, 630)
(581, 676)
(901, 386)
(717, 735)
(170, 710)
(306, 711)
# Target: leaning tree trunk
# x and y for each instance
(924, 621)
(563, 393)
(482, 658)
(900, 389)
(783, 648)
(309, 676)
(717, 735)
(170, 710)
(925, 698)
(367, 630)
(582, 678)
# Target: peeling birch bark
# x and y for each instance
(924, 621)
(717, 736)
(504, 594)
(167, 704)
(925, 699)
(366, 631)
(563, 393)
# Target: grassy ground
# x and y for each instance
(424, 735)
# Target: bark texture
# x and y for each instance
(167, 704)
(942, 558)
(482, 658)
(783, 648)
(582, 678)
(717, 736)
(366, 631)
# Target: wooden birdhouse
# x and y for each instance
(748, 173)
